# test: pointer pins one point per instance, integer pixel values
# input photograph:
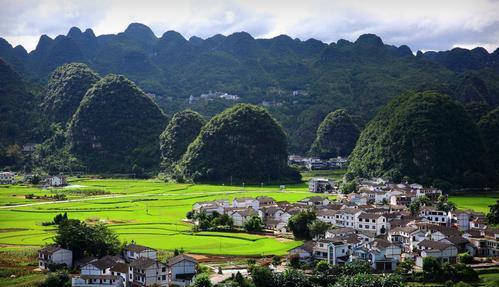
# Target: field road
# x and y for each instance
(136, 195)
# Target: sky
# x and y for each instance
(422, 24)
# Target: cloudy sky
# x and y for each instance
(421, 24)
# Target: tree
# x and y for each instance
(426, 136)
(318, 228)
(242, 144)
(465, 258)
(202, 280)
(299, 224)
(253, 224)
(336, 136)
(493, 215)
(58, 279)
(431, 268)
(294, 261)
(116, 127)
(348, 187)
(82, 239)
(405, 267)
(444, 205)
(180, 132)
(262, 276)
(291, 278)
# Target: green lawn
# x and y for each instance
(147, 211)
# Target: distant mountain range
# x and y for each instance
(299, 82)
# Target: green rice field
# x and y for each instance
(150, 212)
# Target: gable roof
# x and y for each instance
(180, 258)
(50, 249)
(137, 248)
(143, 262)
(434, 244)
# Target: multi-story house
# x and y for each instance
(371, 222)
(54, 255)
(182, 269)
(147, 272)
(443, 251)
(434, 215)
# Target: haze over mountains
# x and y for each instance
(359, 76)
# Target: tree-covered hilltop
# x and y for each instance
(180, 132)
(241, 144)
(116, 128)
(336, 136)
(489, 126)
(426, 137)
(299, 81)
(66, 88)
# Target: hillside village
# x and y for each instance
(374, 224)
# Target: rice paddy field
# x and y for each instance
(150, 212)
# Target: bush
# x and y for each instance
(59, 279)
(465, 258)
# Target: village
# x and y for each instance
(381, 223)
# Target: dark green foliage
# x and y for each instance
(241, 144)
(262, 276)
(291, 278)
(300, 223)
(465, 258)
(425, 136)
(336, 136)
(489, 126)
(434, 271)
(214, 221)
(58, 279)
(369, 280)
(92, 240)
(493, 215)
(318, 228)
(180, 132)
(202, 280)
(19, 118)
(253, 224)
(348, 187)
(66, 88)
(53, 155)
(116, 128)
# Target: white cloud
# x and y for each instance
(424, 24)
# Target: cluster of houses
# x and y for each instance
(375, 224)
(372, 224)
(7, 177)
(210, 96)
(312, 163)
(137, 266)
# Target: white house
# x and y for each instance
(304, 252)
(315, 201)
(245, 202)
(435, 216)
(209, 207)
(442, 251)
(7, 177)
(338, 252)
(406, 236)
(107, 271)
(372, 222)
(326, 215)
(347, 217)
(381, 254)
(320, 185)
(135, 251)
(54, 255)
(460, 219)
(56, 180)
(182, 269)
(147, 272)
(240, 216)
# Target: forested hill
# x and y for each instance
(358, 76)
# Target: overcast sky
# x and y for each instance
(421, 24)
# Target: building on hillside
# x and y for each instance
(304, 252)
(54, 255)
(372, 222)
(7, 177)
(435, 216)
(182, 270)
(107, 271)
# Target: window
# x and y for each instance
(374, 227)
(360, 225)
(163, 277)
(163, 269)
